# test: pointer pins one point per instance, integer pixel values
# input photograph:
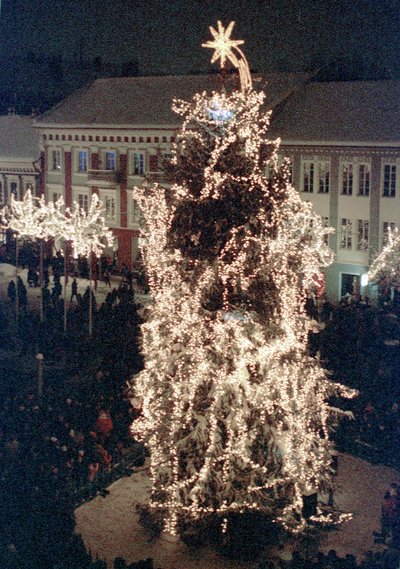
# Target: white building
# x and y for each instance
(344, 142)
(108, 136)
(343, 139)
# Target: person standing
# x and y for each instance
(74, 290)
(107, 277)
(389, 517)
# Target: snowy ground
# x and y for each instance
(7, 273)
(110, 527)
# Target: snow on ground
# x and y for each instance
(110, 527)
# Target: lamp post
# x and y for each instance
(40, 358)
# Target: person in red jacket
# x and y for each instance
(389, 515)
(104, 425)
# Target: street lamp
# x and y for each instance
(40, 358)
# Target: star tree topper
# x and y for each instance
(226, 48)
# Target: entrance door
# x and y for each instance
(350, 284)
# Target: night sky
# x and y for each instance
(165, 35)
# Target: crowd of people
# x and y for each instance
(63, 444)
(60, 447)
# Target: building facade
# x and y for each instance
(112, 135)
(344, 142)
(342, 139)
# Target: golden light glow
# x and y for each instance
(235, 412)
(226, 48)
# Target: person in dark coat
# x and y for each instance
(11, 291)
(74, 290)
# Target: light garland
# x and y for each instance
(86, 229)
(385, 269)
(235, 412)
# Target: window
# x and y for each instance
(110, 208)
(29, 187)
(138, 164)
(14, 190)
(56, 159)
(325, 223)
(56, 196)
(362, 234)
(364, 179)
(111, 160)
(82, 161)
(347, 178)
(308, 177)
(346, 234)
(324, 177)
(389, 180)
(2, 196)
(134, 211)
(83, 201)
(316, 174)
(388, 227)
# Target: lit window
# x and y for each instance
(110, 209)
(389, 180)
(134, 212)
(14, 190)
(362, 235)
(346, 241)
(324, 177)
(82, 161)
(308, 177)
(83, 201)
(111, 160)
(347, 178)
(316, 174)
(325, 222)
(138, 164)
(388, 227)
(364, 179)
(56, 159)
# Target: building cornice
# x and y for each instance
(348, 144)
(124, 127)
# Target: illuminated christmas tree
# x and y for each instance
(235, 412)
(385, 269)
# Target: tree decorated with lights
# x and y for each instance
(235, 412)
(31, 219)
(385, 269)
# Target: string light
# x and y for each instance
(235, 412)
(385, 269)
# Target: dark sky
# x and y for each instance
(166, 35)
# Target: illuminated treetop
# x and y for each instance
(226, 48)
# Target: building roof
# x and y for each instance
(18, 140)
(353, 111)
(146, 101)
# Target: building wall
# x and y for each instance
(110, 162)
(356, 209)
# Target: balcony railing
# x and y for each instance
(155, 177)
(109, 176)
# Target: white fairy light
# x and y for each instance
(87, 229)
(235, 412)
(385, 269)
(226, 48)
